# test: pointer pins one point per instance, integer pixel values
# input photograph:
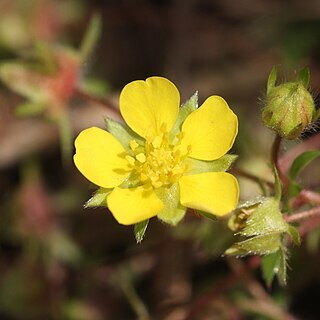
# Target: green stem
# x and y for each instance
(134, 300)
(65, 134)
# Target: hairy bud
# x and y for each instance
(290, 107)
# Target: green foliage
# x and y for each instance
(99, 199)
(29, 109)
(275, 264)
(264, 227)
(261, 245)
(297, 166)
(266, 218)
(301, 162)
(189, 106)
(122, 133)
(270, 266)
(91, 37)
(173, 212)
(199, 166)
(304, 76)
(140, 230)
(294, 234)
(21, 79)
(289, 107)
(272, 79)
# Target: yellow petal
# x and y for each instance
(147, 105)
(100, 158)
(130, 206)
(210, 130)
(213, 192)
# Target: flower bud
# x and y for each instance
(290, 107)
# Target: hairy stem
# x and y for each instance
(303, 215)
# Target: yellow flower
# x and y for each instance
(166, 160)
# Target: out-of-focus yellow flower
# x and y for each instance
(166, 161)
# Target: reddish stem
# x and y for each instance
(107, 103)
(303, 215)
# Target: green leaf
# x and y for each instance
(29, 109)
(94, 86)
(200, 166)
(294, 189)
(294, 234)
(304, 77)
(122, 133)
(140, 230)
(189, 106)
(302, 161)
(262, 244)
(265, 219)
(99, 199)
(62, 248)
(91, 37)
(173, 212)
(270, 266)
(272, 79)
(282, 272)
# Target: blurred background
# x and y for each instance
(60, 261)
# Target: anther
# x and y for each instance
(141, 157)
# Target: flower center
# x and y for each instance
(158, 162)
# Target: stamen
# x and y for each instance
(133, 145)
(159, 162)
(141, 157)
(130, 160)
(156, 142)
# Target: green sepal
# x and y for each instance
(200, 166)
(304, 77)
(240, 215)
(270, 266)
(91, 37)
(99, 198)
(262, 244)
(207, 215)
(45, 54)
(272, 79)
(301, 162)
(29, 109)
(173, 212)
(23, 80)
(266, 219)
(122, 133)
(140, 230)
(294, 234)
(188, 107)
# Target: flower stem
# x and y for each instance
(107, 103)
(275, 157)
(250, 176)
(303, 215)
